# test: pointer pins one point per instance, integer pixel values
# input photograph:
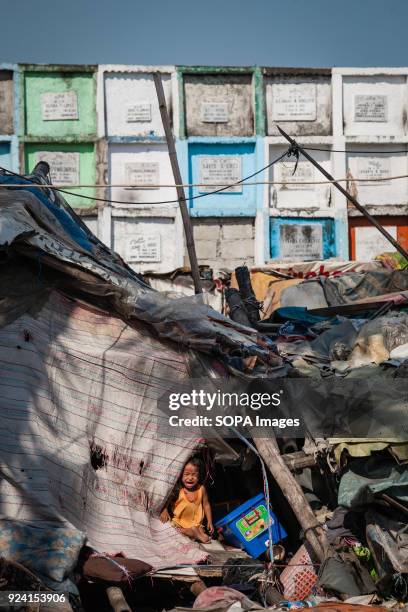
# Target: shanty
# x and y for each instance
(203, 324)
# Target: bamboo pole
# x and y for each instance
(178, 180)
(117, 599)
(348, 195)
(298, 460)
(314, 533)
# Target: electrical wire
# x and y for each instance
(196, 197)
(242, 182)
(189, 185)
(355, 152)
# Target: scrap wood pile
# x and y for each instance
(86, 349)
(350, 326)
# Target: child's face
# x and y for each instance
(190, 477)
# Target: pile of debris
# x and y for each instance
(354, 327)
(87, 348)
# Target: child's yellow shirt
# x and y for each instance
(189, 513)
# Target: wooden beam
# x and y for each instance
(179, 182)
(299, 460)
(117, 599)
(314, 533)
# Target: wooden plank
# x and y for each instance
(314, 534)
(179, 182)
(117, 599)
(299, 460)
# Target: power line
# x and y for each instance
(355, 152)
(187, 185)
(190, 185)
(196, 197)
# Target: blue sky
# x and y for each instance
(219, 32)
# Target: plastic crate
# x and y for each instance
(246, 527)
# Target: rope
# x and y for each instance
(355, 152)
(196, 197)
(244, 183)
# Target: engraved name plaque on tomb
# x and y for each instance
(214, 112)
(301, 241)
(370, 108)
(304, 174)
(294, 102)
(145, 175)
(370, 242)
(139, 112)
(220, 170)
(143, 247)
(64, 166)
(372, 168)
(59, 106)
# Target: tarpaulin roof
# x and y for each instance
(42, 226)
(85, 352)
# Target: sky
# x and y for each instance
(309, 33)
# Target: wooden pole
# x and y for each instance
(348, 195)
(178, 180)
(117, 599)
(299, 460)
(314, 533)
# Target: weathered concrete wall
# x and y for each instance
(9, 117)
(91, 222)
(6, 102)
(145, 164)
(221, 162)
(300, 103)
(375, 105)
(5, 155)
(379, 166)
(220, 117)
(300, 239)
(127, 103)
(366, 242)
(224, 243)
(219, 104)
(297, 196)
(131, 104)
(70, 164)
(305, 221)
(371, 116)
(60, 103)
(149, 239)
(59, 125)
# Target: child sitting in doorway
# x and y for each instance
(189, 504)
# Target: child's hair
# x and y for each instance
(198, 463)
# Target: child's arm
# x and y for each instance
(164, 515)
(167, 513)
(207, 511)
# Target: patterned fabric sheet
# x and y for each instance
(77, 386)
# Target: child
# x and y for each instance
(189, 504)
